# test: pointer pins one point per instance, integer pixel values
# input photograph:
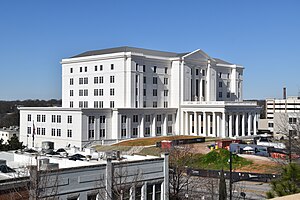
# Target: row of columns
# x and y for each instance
(219, 124)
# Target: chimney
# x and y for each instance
(284, 93)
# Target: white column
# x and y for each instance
(190, 124)
(223, 133)
(153, 126)
(144, 191)
(249, 124)
(254, 124)
(199, 124)
(208, 123)
(208, 81)
(186, 130)
(195, 123)
(128, 127)
(243, 124)
(200, 94)
(237, 125)
(165, 128)
(153, 194)
(204, 124)
(214, 124)
(142, 126)
(218, 124)
(230, 124)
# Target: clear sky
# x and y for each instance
(261, 35)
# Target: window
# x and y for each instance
(136, 78)
(166, 81)
(43, 131)
(69, 133)
(29, 117)
(203, 72)
(144, 92)
(158, 118)
(53, 118)
(91, 133)
(123, 132)
(91, 119)
(102, 119)
(102, 133)
(134, 132)
(148, 118)
(28, 130)
(101, 67)
(228, 94)
(292, 120)
(43, 118)
(220, 84)
(144, 68)
(58, 118)
(38, 131)
(136, 67)
(220, 75)
(154, 69)
(80, 104)
(101, 79)
(96, 80)
(112, 66)
(52, 132)
(100, 104)
(80, 69)
(165, 104)
(166, 93)
(112, 91)
(166, 70)
(71, 70)
(80, 81)
(155, 92)
(38, 118)
(112, 79)
(158, 191)
(144, 80)
(85, 104)
(71, 104)
(96, 93)
(71, 81)
(170, 118)
(197, 72)
(100, 92)
(86, 92)
(158, 130)
(169, 129)
(144, 104)
(112, 104)
(86, 80)
(220, 94)
(69, 119)
(80, 92)
(58, 132)
(154, 104)
(271, 125)
(136, 104)
(96, 68)
(135, 118)
(71, 93)
(85, 69)
(147, 131)
(123, 119)
(96, 105)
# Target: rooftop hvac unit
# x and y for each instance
(47, 145)
(49, 166)
(43, 161)
(2, 162)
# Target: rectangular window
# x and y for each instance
(29, 117)
(166, 93)
(158, 130)
(100, 104)
(144, 92)
(71, 81)
(148, 117)
(38, 118)
(38, 131)
(71, 93)
(28, 130)
(112, 104)
(70, 119)
(69, 133)
(166, 81)
(170, 118)
(96, 93)
(170, 130)
(91, 119)
(80, 69)
(228, 94)
(71, 70)
(85, 69)
(86, 92)
(136, 104)
(86, 80)
(147, 131)
(155, 92)
(100, 92)
(144, 80)
(220, 84)
(96, 104)
(96, 68)
(43, 131)
(220, 94)
(101, 79)
(220, 75)
(112, 79)
(91, 133)
(137, 67)
(71, 104)
(80, 104)
(53, 118)
(123, 119)
(154, 104)
(80, 81)
(166, 70)
(154, 69)
(165, 104)
(85, 104)
(135, 119)
(96, 80)
(112, 91)
(144, 104)
(112, 66)
(101, 67)
(43, 118)
(58, 132)
(102, 133)
(158, 118)
(134, 132)
(154, 80)
(197, 72)
(52, 132)
(144, 68)
(123, 132)
(203, 72)
(102, 119)
(58, 117)
(80, 92)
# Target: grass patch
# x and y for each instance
(112, 148)
(151, 141)
(154, 151)
(216, 160)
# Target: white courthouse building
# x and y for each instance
(127, 92)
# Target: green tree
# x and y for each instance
(288, 183)
(14, 143)
(222, 187)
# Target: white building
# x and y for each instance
(283, 114)
(128, 92)
(7, 133)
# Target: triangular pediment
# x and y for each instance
(197, 55)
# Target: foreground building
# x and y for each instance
(127, 92)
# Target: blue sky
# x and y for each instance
(263, 36)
